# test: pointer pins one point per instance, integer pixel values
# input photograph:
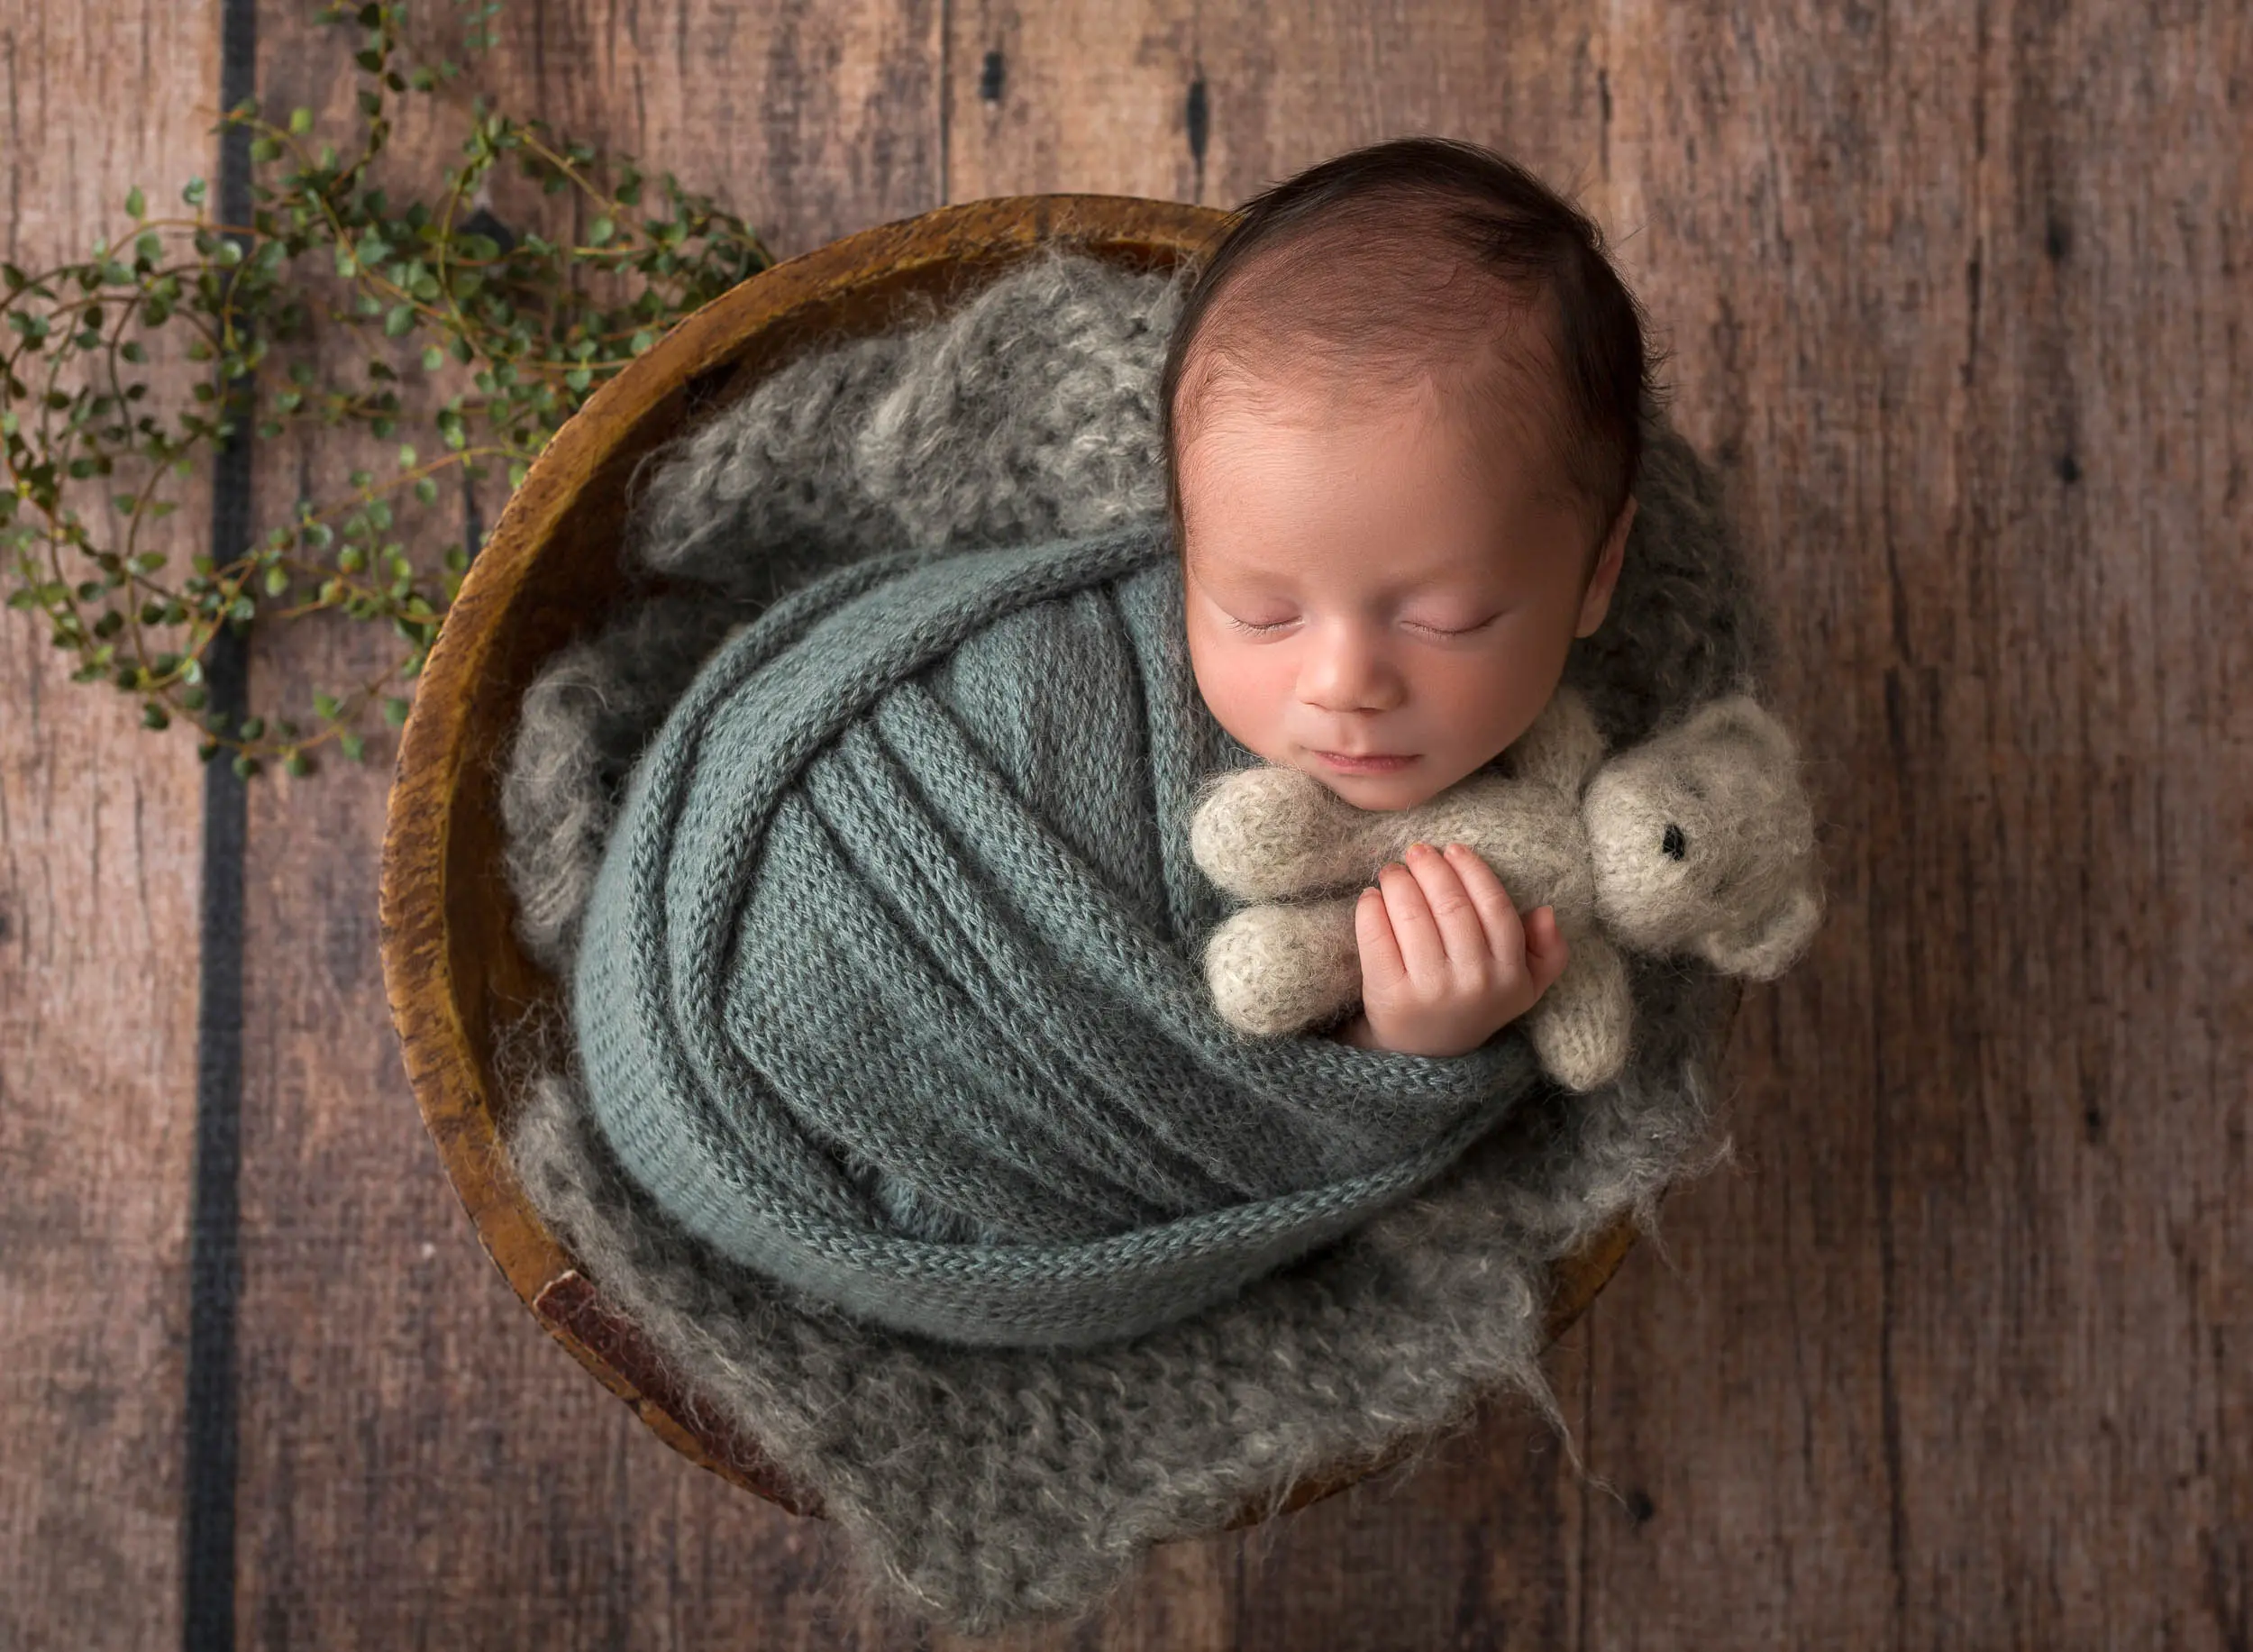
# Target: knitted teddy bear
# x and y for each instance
(1698, 840)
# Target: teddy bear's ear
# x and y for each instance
(1771, 945)
(1741, 717)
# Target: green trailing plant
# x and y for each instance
(513, 321)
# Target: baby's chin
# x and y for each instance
(1416, 782)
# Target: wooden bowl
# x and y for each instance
(454, 970)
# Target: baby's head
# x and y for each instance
(1401, 411)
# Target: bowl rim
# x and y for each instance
(456, 1095)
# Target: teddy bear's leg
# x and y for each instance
(1277, 968)
(1581, 1027)
(1267, 833)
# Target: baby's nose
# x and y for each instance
(1344, 672)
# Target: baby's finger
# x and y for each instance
(1546, 953)
(1382, 970)
(1462, 929)
(1422, 955)
(1504, 932)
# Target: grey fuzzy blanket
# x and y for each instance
(979, 1486)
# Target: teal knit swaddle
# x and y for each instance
(889, 985)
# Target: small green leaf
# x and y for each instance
(193, 194)
(600, 231)
(400, 317)
(426, 490)
(300, 122)
(154, 715)
(352, 746)
(325, 707)
(135, 205)
(393, 711)
(407, 456)
(276, 582)
(433, 357)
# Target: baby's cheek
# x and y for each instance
(1245, 700)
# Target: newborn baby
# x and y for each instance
(1401, 412)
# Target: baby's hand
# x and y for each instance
(1444, 960)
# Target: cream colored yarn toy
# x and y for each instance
(1700, 840)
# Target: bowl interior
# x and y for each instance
(454, 971)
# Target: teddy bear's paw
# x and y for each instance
(1583, 1024)
(1277, 968)
(1265, 833)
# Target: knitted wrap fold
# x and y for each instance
(891, 986)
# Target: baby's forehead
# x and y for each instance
(1497, 378)
(1248, 404)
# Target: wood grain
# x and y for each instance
(99, 836)
(1963, 324)
(1953, 1356)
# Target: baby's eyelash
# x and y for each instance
(1434, 630)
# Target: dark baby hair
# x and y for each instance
(1345, 254)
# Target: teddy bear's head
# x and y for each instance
(1703, 841)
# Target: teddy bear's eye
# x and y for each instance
(1675, 844)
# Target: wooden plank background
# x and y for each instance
(1955, 1355)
